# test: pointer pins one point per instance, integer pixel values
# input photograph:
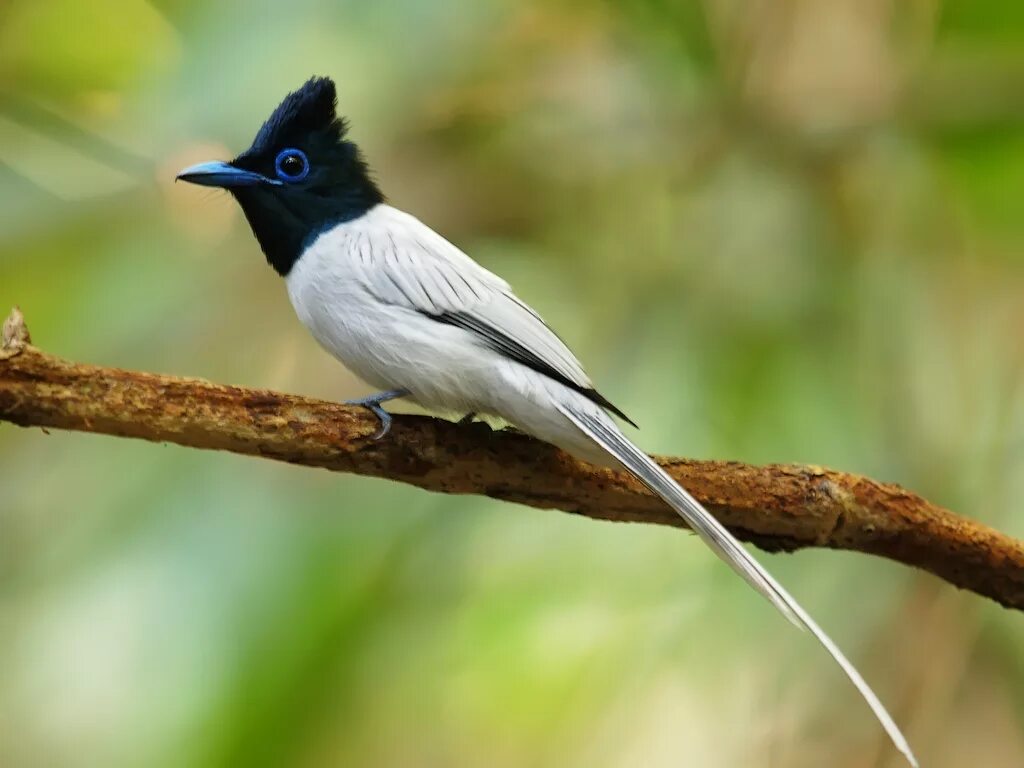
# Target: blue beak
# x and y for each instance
(218, 174)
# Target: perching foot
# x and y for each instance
(373, 403)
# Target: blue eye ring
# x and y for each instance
(287, 155)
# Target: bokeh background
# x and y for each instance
(775, 231)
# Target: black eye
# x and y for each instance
(291, 165)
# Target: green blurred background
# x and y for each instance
(775, 231)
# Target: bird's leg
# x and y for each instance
(373, 402)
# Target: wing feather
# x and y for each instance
(411, 265)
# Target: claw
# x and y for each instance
(373, 404)
(385, 421)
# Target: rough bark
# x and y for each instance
(777, 507)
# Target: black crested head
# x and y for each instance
(306, 114)
(300, 177)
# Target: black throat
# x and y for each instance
(287, 221)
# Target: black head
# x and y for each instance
(299, 177)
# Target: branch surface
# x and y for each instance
(778, 507)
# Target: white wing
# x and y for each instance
(406, 263)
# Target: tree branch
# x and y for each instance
(778, 507)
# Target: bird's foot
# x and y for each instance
(373, 403)
(468, 418)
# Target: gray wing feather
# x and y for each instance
(415, 267)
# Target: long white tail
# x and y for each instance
(602, 430)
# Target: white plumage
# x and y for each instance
(366, 290)
(410, 313)
(405, 309)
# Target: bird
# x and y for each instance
(414, 316)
